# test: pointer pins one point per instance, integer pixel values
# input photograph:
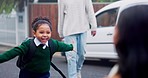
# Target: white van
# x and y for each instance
(101, 46)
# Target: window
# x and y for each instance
(20, 19)
(107, 18)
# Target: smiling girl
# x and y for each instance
(39, 65)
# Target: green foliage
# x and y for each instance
(7, 5)
(2, 6)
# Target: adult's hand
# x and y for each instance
(93, 32)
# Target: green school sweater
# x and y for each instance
(40, 62)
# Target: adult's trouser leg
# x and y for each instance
(71, 57)
(75, 59)
(81, 44)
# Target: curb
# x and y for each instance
(4, 48)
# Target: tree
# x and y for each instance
(7, 5)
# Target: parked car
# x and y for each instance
(101, 46)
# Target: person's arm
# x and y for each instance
(60, 17)
(62, 47)
(113, 72)
(10, 54)
(91, 16)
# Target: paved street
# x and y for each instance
(91, 69)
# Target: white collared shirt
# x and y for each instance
(37, 43)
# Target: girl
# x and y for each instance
(39, 65)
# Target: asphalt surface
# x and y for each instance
(91, 68)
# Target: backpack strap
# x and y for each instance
(24, 59)
(31, 51)
(52, 51)
(52, 47)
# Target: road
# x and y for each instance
(91, 69)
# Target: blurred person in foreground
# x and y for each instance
(131, 41)
(76, 17)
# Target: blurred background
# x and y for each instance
(16, 17)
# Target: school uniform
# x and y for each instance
(39, 64)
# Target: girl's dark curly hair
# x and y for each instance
(39, 21)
